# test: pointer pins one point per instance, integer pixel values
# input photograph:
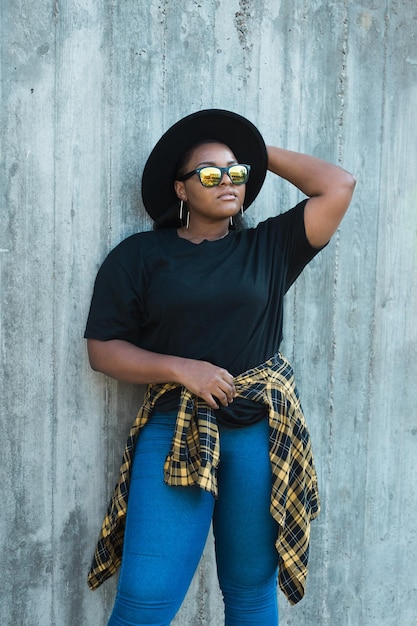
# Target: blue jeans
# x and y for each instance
(167, 527)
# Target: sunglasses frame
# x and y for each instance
(223, 171)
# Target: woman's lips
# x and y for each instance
(227, 195)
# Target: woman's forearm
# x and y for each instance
(313, 176)
(129, 363)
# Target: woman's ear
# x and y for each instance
(180, 190)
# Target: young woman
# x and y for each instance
(194, 310)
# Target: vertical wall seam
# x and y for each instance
(54, 356)
(109, 119)
(164, 21)
(371, 358)
(335, 293)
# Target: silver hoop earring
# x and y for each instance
(231, 220)
(181, 209)
(187, 224)
(241, 210)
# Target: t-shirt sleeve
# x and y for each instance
(116, 306)
(287, 231)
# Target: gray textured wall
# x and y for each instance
(87, 88)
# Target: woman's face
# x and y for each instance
(211, 203)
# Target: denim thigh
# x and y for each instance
(166, 530)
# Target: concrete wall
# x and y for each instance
(87, 89)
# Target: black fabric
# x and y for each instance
(242, 412)
(218, 301)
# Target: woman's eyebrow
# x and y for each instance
(232, 162)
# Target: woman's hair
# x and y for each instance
(171, 218)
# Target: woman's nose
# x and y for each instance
(227, 181)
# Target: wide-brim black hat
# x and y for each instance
(242, 137)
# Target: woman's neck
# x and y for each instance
(201, 232)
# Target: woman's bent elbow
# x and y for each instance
(94, 350)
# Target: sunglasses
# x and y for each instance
(211, 175)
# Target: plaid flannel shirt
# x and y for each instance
(194, 457)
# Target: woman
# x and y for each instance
(194, 310)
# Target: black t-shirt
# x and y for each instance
(219, 301)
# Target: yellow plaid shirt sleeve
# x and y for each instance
(194, 457)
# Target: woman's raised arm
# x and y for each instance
(329, 187)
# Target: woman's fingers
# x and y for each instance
(226, 389)
(215, 385)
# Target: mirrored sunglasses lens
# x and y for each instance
(210, 176)
(238, 174)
